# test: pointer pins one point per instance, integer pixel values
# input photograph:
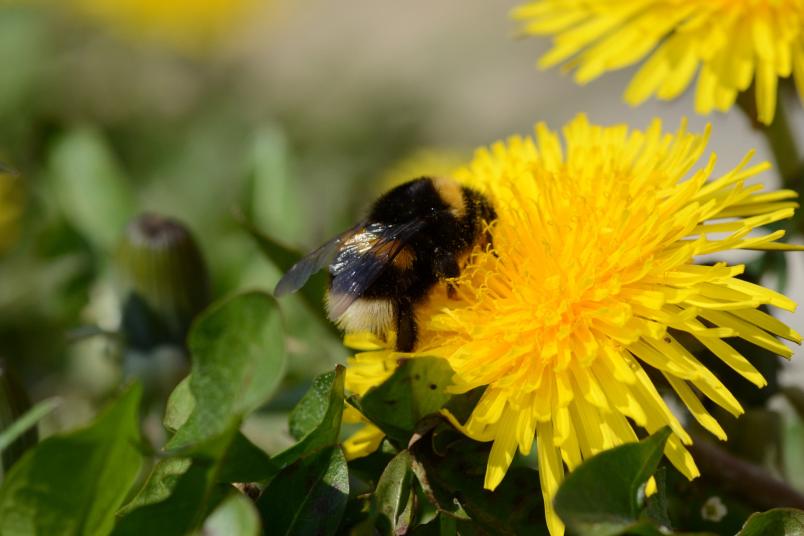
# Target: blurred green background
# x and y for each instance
(288, 115)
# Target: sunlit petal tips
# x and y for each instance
(730, 44)
(593, 263)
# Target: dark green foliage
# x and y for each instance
(606, 494)
(310, 410)
(17, 419)
(776, 522)
(417, 388)
(394, 496)
(236, 367)
(192, 495)
(326, 430)
(74, 483)
(238, 361)
(451, 475)
(307, 497)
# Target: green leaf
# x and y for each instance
(180, 405)
(776, 522)
(604, 495)
(276, 194)
(657, 504)
(308, 497)
(160, 483)
(452, 479)
(17, 418)
(90, 186)
(28, 420)
(310, 410)
(326, 431)
(182, 491)
(245, 462)
(394, 496)
(417, 388)
(74, 483)
(192, 496)
(284, 256)
(236, 516)
(238, 354)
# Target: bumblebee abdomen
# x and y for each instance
(375, 315)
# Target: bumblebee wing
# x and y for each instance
(363, 260)
(300, 273)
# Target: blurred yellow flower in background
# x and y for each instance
(592, 268)
(190, 25)
(424, 162)
(12, 202)
(729, 43)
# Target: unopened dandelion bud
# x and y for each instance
(166, 277)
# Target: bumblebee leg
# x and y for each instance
(405, 327)
(446, 266)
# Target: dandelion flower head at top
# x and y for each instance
(730, 44)
(590, 277)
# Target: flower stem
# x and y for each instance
(749, 481)
(783, 145)
(781, 141)
(779, 137)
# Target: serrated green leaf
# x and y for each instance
(307, 497)
(394, 496)
(236, 516)
(310, 410)
(90, 186)
(325, 433)
(604, 495)
(417, 388)
(776, 522)
(238, 361)
(74, 483)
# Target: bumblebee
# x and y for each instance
(380, 269)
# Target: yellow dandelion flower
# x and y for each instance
(365, 370)
(730, 43)
(593, 263)
(425, 162)
(185, 24)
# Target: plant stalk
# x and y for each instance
(751, 482)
